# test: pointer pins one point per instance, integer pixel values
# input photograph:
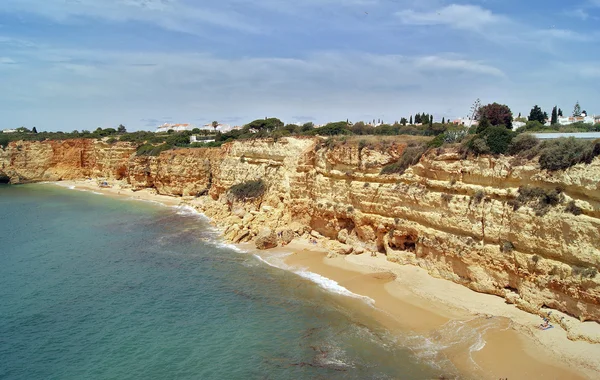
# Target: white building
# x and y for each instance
(194, 139)
(466, 122)
(578, 119)
(175, 127)
(9, 131)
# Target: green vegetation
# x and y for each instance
(563, 153)
(540, 200)
(589, 272)
(249, 190)
(573, 208)
(152, 150)
(4, 141)
(411, 155)
(507, 247)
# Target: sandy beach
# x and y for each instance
(482, 335)
(408, 298)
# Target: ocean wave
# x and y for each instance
(232, 247)
(147, 200)
(331, 285)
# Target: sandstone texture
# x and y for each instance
(454, 217)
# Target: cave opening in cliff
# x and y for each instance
(407, 242)
(4, 179)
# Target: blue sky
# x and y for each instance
(80, 64)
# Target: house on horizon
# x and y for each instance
(467, 122)
(9, 131)
(166, 127)
(584, 118)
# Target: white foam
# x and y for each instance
(331, 285)
(97, 193)
(187, 210)
(233, 247)
(148, 201)
(266, 262)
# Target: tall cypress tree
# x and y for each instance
(577, 109)
(554, 119)
(560, 113)
(410, 121)
(443, 120)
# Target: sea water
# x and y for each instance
(93, 287)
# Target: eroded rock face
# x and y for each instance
(454, 217)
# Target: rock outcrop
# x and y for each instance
(461, 219)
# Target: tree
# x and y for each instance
(577, 110)
(121, 129)
(267, 125)
(484, 124)
(519, 115)
(403, 121)
(497, 114)
(443, 120)
(215, 124)
(475, 109)
(536, 114)
(554, 119)
(430, 119)
(307, 126)
(34, 130)
(498, 139)
(410, 121)
(560, 113)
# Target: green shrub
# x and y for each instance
(447, 198)
(523, 143)
(3, 141)
(478, 196)
(563, 153)
(437, 142)
(410, 157)
(477, 146)
(248, 190)
(540, 200)
(151, 150)
(590, 272)
(111, 140)
(507, 247)
(573, 208)
(498, 139)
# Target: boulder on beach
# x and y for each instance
(266, 239)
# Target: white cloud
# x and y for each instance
(174, 15)
(435, 62)
(578, 13)
(466, 17)
(494, 27)
(114, 87)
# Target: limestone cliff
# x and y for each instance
(458, 218)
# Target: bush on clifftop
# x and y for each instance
(563, 153)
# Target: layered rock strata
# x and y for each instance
(457, 218)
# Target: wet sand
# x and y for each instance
(483, 346)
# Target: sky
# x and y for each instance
(82, 64)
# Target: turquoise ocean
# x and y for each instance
(93, 287)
